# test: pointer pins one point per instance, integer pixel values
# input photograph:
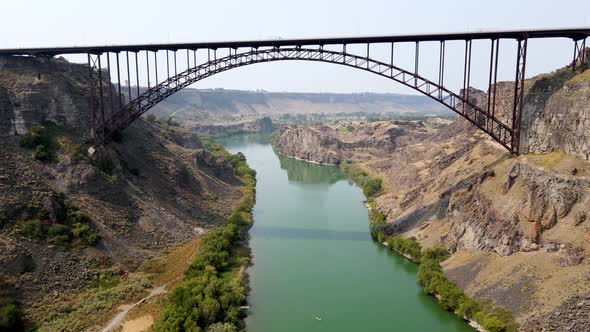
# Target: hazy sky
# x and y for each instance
(79, 22)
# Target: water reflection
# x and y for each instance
(302, 172)
(274, 232)
(241, 141)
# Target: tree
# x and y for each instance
(467, 307)
(437, 253)
(493, 324)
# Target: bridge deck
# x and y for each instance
(575, 34)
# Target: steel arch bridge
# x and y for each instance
(113, 112)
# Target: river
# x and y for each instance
(313, 255)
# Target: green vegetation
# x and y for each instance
(339, 117)
(410, 246)
(430, 275)
(212, 291)
(10, 318)
(151, 118)
(371, 186)
(71, 226)
(77, 152)
(94, 305)
(584, 76)
(40, 140)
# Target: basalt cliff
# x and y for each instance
(518, 227)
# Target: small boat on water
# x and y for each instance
(317, 318)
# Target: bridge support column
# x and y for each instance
(579, 54)
(96, 98)
(518, 94)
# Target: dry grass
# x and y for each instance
(582, 77)
(561, 163)
(177, 261)
(170, 272)
(548, 278)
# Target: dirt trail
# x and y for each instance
(120, 317)
(178, 260)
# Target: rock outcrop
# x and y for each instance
(35, 91)
(345, 142)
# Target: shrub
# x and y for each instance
(58, 229)
(371, 186)
(151, 118)
(437, 253)
(10, 318)
(493, 324)
(42, 154)
(35, 136)
(209, 298)
(467, 307)
(78, 152)
(32, 228)
(409, 246)
(39, 139)
(76, 216)
(72, 225)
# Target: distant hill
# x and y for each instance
(187, 102)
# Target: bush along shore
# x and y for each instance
(214, 288)
(482, 315)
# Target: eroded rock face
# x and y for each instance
(264, 125)
(556, 111)
(34, 92)
(477, 224)
(345, 142)
(310, 144)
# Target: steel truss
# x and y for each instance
(152, 96)
(115, 110)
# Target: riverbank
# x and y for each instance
(312, 250)
(482, 316)
(215, 282)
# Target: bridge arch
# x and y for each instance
(479, 117)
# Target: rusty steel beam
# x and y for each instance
(508, 135)
(575, 34)
(518, 93)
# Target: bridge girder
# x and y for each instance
(112, 114)
(460, 104)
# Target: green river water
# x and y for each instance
(313, 255)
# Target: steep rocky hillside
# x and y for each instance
(332, 144)
(191, 103)
(68, 222)
(517, 226)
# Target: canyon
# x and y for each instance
(80, 235)
(516, 225)
(154, 189)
